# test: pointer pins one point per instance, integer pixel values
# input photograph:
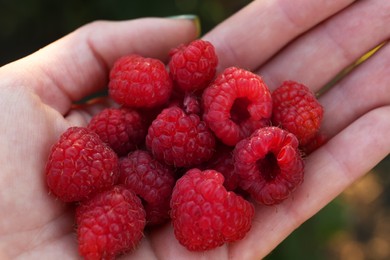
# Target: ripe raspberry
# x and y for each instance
(222, 162)
(139, 82)
(192, 67)
(110, 223)
(80, 164)
(204, 214)
(313, 144)
(269, 165)
(296, 109)
(151, 180)
(179, 139)
(121, 128)
(237, 103)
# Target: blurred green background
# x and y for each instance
(355, 226)
(27, 25)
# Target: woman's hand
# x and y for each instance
(36, 100)
(306, 41)
(311, 42)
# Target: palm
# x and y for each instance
(32, 221)
(38, 109)
(35, 223)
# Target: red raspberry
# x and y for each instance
(296, 109)
(313, 144)
(110, 223)
(192, 67)
(204, 214)
(237, 103)
(269, 165)
(121, 128)
(80, 164)
(222, 162)
(136, 81)
(179, 139)
(151, 180)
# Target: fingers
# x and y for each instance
(316, 57)
(78, 64)
(367, 87)
(261, 29)
(329, 170)
(167, 246)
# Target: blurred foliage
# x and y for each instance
(27, 25)
(310, 240)
(355, 226)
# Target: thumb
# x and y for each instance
(77, 65)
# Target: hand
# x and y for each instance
(37, 95)
(282, 40)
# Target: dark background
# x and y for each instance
(354, 226)
(27, 25)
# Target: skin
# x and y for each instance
(309, 41)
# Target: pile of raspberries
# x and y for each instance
(182, 144)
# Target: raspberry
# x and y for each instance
(139, 82)
(222, 162)
(121, 128)
(80, 164)
(205, 215)
(110, 223)
(179, 139)
(222, 138)
(296, 109)
(269, 165)
(314, 143)
(192, 67)
(150, 180)
(237, 103)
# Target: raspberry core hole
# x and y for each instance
(268, 167)
(239, 111)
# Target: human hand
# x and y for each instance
(302, 41)
(37, 94)
(36, 98)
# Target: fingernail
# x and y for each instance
(191, 17)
